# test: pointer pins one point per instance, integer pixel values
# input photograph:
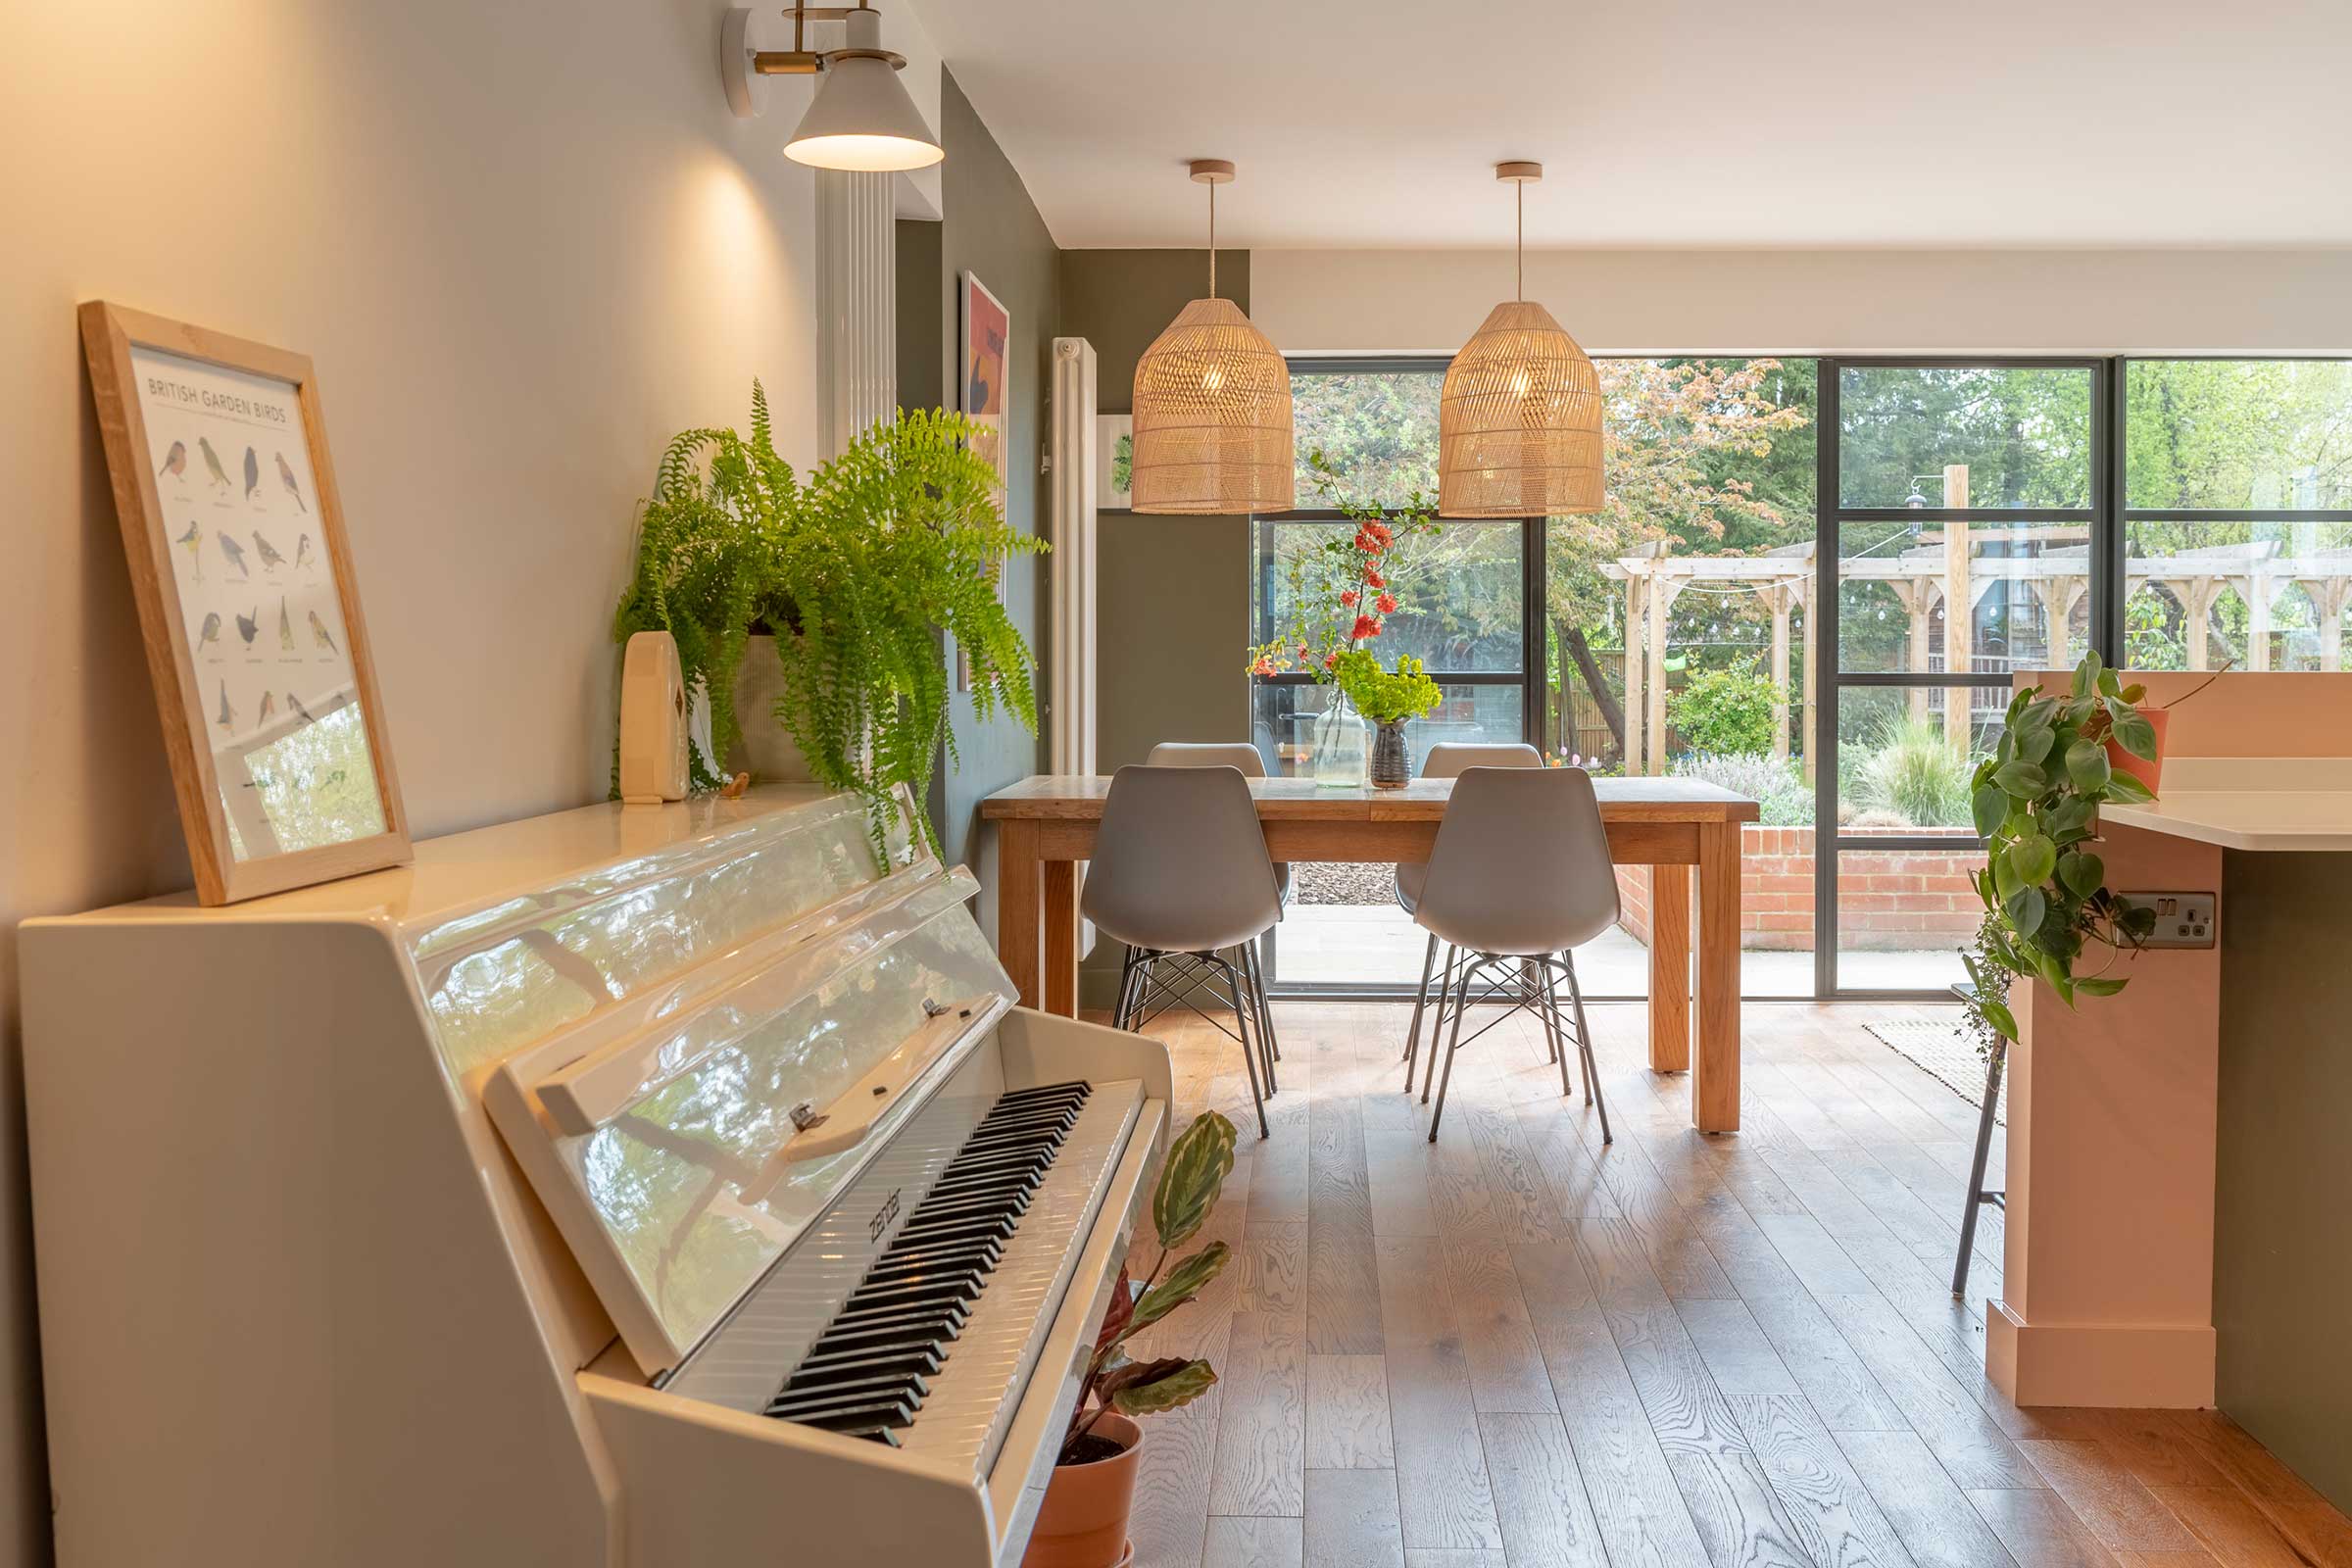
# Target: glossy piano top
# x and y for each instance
(459, 872)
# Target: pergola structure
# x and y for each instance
(1949, 570)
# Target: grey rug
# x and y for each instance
(1945, 1051)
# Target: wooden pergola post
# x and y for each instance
(2257, 589)
(1918, 599)
(2328, 597)
(1635, 636)
(1812, 680)
(1778, 598)
(1662, 592)
(1959, 609)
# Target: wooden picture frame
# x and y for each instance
(271, 795)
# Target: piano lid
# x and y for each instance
(660, 1130)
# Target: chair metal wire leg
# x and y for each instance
(1412, 1036)
(1452, 992)
(1268, 1053)
(1436, 1017)
(1452, 1045)
(1539, 975)
(1238, 992)
(1584, 1046)
(1552, 1026)
(1122, 1011)
(1977, 1196)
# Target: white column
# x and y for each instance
(857, 305)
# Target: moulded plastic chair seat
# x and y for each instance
(1521, 865)
(1447, 759)
(1220, 754)
(1180, 862)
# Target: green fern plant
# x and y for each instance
(858, 572)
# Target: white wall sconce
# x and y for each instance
(861, 119)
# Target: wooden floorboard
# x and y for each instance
(1523, 1346)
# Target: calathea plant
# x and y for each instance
(2036, 805)
(858, 572)
(1198, 1161)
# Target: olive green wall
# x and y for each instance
(2283, 1225)
(988, 228)
(1172, 593)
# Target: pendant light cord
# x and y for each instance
(1519, 245)
(1212, 239)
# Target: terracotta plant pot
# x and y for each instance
(1083, 1522)
(2160, 720)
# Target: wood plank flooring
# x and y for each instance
(1520, 1347)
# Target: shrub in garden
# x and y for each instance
(1727, 711)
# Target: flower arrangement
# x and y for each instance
(1343, 591)
(1383, 696)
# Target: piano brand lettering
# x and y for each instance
(883, 1216)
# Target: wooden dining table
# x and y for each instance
(1046, 827)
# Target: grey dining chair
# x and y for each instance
(1446, 760)
(1520, 877)
(1253, 764)
(1179, 875)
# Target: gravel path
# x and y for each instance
(1344, 882)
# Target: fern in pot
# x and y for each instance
(849, 578)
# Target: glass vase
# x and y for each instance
(1339, 744)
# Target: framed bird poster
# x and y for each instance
(279, 753)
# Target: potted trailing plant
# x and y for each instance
(1387, 698)
(2149, 770)
(1340, 596)
(855, 574)
(1083, 1521)
(2035, 802)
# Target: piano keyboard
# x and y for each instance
(869, 1372)
(924, 1336)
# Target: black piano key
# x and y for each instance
(952, 1288)
(1014, 1178)
(1021, 1096)
(853, 1320)
(918, 1356)
(858, 1418)
(1014, 1203)
(999, 1230)
(823, 1394)
(892, 1268)
(1062, 1120)
(933, 1326)
(986, 1253)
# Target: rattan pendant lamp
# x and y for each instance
(1519, 420)
(1212, 405)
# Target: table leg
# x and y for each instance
(1061, 938)
(1715, 1086)
(1017, 906)
(1669, 969)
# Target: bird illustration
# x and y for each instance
(286, 626)
(285, 477)
(268, 710)
(175, 461)
(271, 558)
(295, 703)
(194, 542)
(302, 554)
(249, 627)
(209, 633)
(319, 630)
(253, 473)
(211, 461)
(228, 718)
(235, 553)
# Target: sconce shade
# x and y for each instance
(1212, 418)
(1519, 421)
(863, 120)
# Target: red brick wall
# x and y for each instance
(1887, 899)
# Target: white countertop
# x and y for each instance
(2250, 802)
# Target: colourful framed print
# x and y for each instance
(985, 390)
(280, 758)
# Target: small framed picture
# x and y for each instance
(279, 753)
(1114, 462)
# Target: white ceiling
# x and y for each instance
(1672, 122)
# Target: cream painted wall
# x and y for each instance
(523, 244)
(1820, 302)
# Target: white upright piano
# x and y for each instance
(647, 1186)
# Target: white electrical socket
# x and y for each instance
(2182, 920)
